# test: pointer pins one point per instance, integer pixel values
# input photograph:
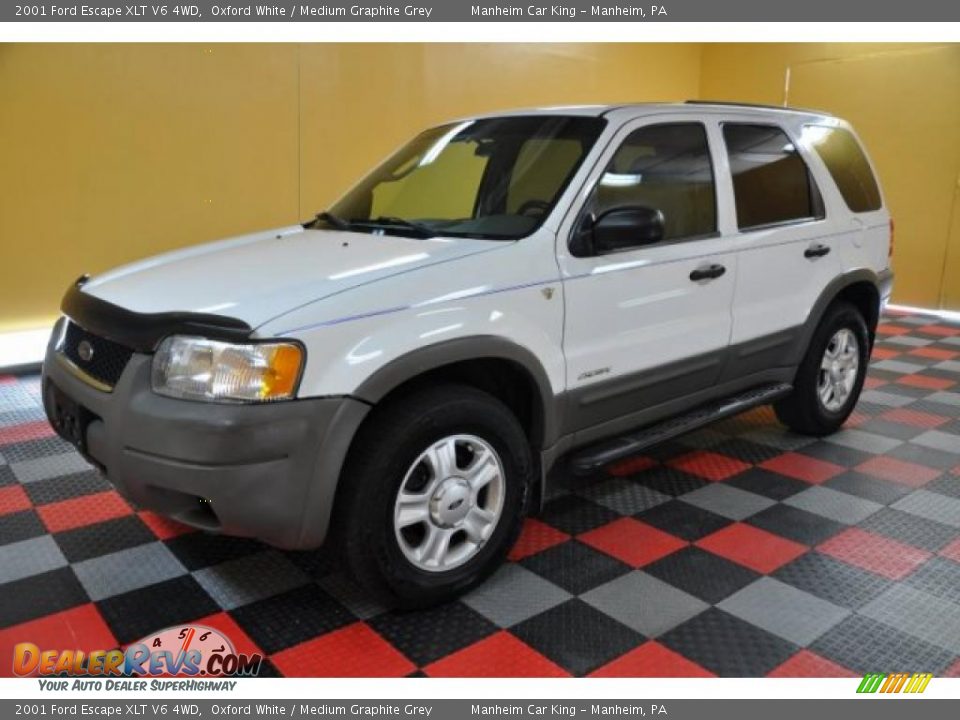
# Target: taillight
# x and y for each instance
(890, 246)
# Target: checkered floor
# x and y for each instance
(740, 550)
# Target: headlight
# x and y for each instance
(195, 368)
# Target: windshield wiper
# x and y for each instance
(396, 222)
(330, 219)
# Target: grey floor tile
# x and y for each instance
(922, 615)
(48, 467)
(860, 440)
(623, 496)
(644, 603)
(947, 442)
(514, 594)
(239, 582)
(784, 610)
(29, 557)
(945, 398)
(938, 576)
(909, 341)
(833, 504)
(931, 506)
(897, 366)
(949, 365)
(728, 501)
(880, 397)
(131, 569)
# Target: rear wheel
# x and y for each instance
(831, 375)
(433, 494)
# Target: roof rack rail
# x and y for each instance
(760, 106)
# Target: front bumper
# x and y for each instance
(264, 471)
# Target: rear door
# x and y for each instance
(787, 249)
(651, 323)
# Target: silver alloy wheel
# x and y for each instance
(449, 503)
(838, 369)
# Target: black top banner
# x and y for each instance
(484, 11)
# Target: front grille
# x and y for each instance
(107, 361)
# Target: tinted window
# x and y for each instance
(771, 182)
(489, 178)
(666, 167)
(848, 166)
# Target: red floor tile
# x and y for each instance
(500, 655)
(163, 527)
(916, 418)
(221, 621)
(631, 466)
(27, 431)
(81, 511)
(942, 330)
(754, 548)
(651, 660)
(952, 672)
(881, 353)
(709, 465)
(809, 664)
(926, 382)
(891, 329)
(934, 353)
(632, 541)
(892, 559)
(872, 383)
(801, 467)
(535, 537)
(856, 419)
(80, 628)
(353, 651)
(13, 499)
(898, 471)
(951, 551)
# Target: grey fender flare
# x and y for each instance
(408, 366)
(830, 293)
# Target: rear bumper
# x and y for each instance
(263, 471)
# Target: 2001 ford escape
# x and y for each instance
(503, 291)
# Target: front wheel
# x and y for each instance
(831, 375)
(433, 494)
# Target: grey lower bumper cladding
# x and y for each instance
(264, 471)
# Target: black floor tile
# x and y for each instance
(869, 488)
(575, 515)
(428, 635)
(19, 526)
(40, 595)
(795, 524)
(66, 487)
(683, 520)
(290, 618)
(703, 574)
(727, 645)
(747, 451)
(577, 636)
(836, 454)
(838, 582)
(669, 481)
(767, 483)
(103, 538)
(200, 550)
(910, 529)
(575, 567)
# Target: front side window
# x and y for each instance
(667, 168)
(771, 182)
(494, 178)
(847, 165)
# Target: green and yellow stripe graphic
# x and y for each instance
(894, 683)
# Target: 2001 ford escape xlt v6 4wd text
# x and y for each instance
(399, 374)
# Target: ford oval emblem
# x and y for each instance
(85, 351)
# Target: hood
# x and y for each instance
(257, 277)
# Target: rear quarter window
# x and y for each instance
(847, 165)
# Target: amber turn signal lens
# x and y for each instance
(280, 376)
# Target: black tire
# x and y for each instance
(802, 410)
(388, 443)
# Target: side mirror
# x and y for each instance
(626, 227)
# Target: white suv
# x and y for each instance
(503, 291)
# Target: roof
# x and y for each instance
(691, 106)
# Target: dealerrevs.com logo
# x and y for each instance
(181, 651)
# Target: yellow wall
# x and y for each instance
(114, 152)
(904, 101)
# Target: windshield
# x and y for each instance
(492, 178)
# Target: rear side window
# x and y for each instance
(666, 167)
(771, 182)
(847, 164)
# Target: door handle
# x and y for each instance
(815, 251)
(707, 272)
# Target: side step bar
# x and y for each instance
(596, 456)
